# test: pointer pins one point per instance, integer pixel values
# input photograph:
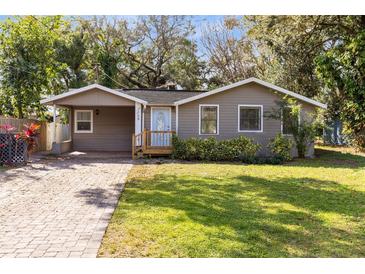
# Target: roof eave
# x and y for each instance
(247, 81)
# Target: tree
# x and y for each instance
(160, 51)
(71, 50)
(230, 55)
(293, 44)
(28, 66)
(147, 53)
(303, 131)
(342, 68)
(105, 43)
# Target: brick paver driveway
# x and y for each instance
(58, 208)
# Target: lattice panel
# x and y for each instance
(12, 151)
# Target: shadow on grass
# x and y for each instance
(270, 218)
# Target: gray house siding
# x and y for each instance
(112, 130)
(228, 102)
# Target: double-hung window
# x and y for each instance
(83, 121)
(250, 118)
(209, 119)
(289, 121)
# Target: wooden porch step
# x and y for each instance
(158, 151)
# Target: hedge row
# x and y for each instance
(236, 149)
(211, 149)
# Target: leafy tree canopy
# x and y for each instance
(29, 69)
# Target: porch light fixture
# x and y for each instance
(97, 111)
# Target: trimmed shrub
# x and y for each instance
(211, 149)
(281, 147)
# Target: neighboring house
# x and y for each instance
(105, 119)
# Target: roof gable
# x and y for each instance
(91, 87)
(252, 80)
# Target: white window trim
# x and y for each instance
(261, 118)
(200, 118)
(169, 108)
(282, 122)
(91, 121)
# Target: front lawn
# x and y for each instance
(307, 208)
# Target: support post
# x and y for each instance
(144, 139)
(177, 119)
(70, 122)
(138, 117)
(133, 147)
(56, 147)
(54, 123)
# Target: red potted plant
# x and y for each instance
(29, 135)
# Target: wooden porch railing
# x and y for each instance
(152, 142)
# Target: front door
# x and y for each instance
(160, 122)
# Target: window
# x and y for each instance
(209, 120)
(83, 121)
(250, 118)
(288, 121)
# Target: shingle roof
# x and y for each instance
(158, 96)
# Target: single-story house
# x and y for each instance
(143, 120)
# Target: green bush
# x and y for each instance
(281, 147)
(211, 149)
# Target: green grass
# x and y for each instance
(306, 208)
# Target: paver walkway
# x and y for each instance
(58, 208)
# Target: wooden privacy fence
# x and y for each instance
(19, 126)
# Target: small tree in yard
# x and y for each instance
(302, 131)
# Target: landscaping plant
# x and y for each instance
(29, 135)
(302, 130)
(280, 146)
(211, 149)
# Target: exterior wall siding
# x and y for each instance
(112, 130)
(228, 102)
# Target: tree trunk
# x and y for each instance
(19, 107)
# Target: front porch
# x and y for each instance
(152, 143)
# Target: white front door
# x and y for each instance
(160, 121)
